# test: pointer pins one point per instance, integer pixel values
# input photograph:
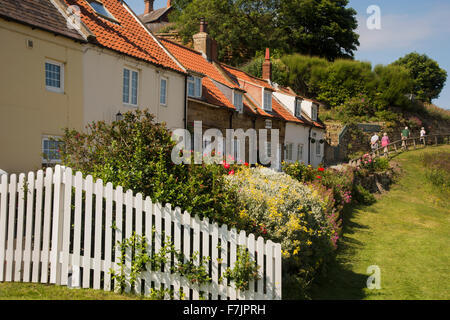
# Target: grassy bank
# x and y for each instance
(406, 234)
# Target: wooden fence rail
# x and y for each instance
(401, 145)
(60, 228)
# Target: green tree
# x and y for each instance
(240, 27)
(243, 27)
(429, 78)
(324, 28)
(393, 85)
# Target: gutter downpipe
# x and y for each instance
(185, 104)
(309, 145)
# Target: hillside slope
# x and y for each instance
(406, 233)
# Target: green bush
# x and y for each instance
(135, 153)
(362, 196)
(381, 164)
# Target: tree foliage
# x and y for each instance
(429, 78)
(243, 27)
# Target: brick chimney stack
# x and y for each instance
(169, 3)
(204, 43)
(149, 6)
(267, 67)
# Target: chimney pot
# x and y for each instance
(267, 67)
(203, 25)
(169, 3)
(149, 6)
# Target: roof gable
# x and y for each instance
(41, 14)
(127, 35)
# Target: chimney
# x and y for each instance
(148, 6)
(267, 67)
(169, 3)
(203, 42)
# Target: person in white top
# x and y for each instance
(423, 133)
(374, 142)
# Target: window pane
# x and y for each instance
(198, 87)
(134, 88)
(126, 86)
(191, 91)
(163, 91)
(268, 101)
(300, 152)
(99, 8)
(52, 75)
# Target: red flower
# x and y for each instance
(318, 177)
(321, 169)
(231, 173)
(246, 164)
(226, 166)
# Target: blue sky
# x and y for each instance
(406, 26)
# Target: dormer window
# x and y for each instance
(314, 112)
(298, 108)
(267, 100)
(194, 87)
(238, 101)
(99, 8)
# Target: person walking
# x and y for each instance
(374, 142)
(423, 133)
(405, 135)
(384, 143)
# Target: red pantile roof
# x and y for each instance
(241, 75)
(194, 61)
(41, 14)
(127, 36)
(213, 95)
(278, 110)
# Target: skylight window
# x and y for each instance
(100, 9)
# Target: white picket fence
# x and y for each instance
(63, 229)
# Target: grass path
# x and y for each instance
(406, 233)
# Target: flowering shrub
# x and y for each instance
(135, 153)
(298, 216)
(340, 183)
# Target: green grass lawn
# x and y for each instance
(406, 233)
(35, 291)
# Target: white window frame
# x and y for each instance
(197, 84)
(300, 154)
(48, 138)
(130, 87)
(298, 108)
(61, 76)
(240, 106)
(267, 104)
(165, 103)
(289, 152)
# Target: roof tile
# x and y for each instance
(127, 36)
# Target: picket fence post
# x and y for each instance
(52, 229)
